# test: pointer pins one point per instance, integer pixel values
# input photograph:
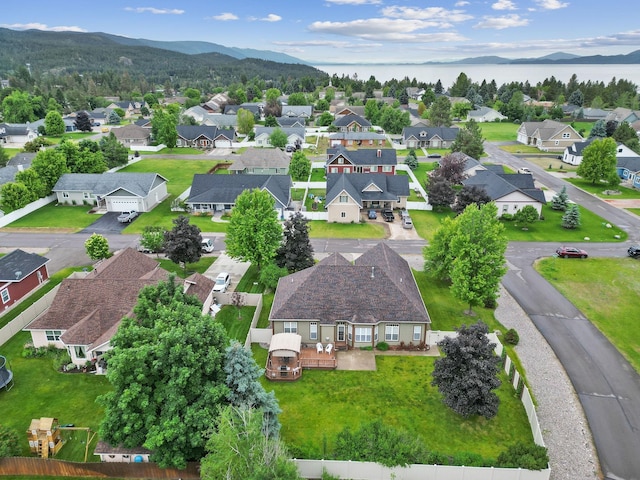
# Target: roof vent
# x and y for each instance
(18, 274)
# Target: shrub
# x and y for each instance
(507, 217)
(511, 337)
(9, 442)
(382, 346)
(531, 457)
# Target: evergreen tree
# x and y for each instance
(114, 118)
(469, 140)
(53, 123)
(295, 252)
(560, 201)
(467, 375)
(598, 130)
(576, 98)
(411, 159)
(183, 243)
(83, 122)
(440, 112)
(571, 217)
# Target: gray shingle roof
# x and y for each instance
(630, 163)
(19, 264)
(386, 289)
(500, 185)
(389, 187)
(224, 189)
(364, 156)
(299, 131)
(139, 184)
(356, 136)
(261, 158)
(347, 120)
(22, 158)
(426, 133)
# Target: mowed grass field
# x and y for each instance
(606, 290)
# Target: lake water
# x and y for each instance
(447, 74)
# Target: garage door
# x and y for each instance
(123, 205)
(223, 144)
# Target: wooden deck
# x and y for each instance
(290, 369)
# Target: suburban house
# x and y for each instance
(255, 108)
(203, 136)
(628, 169)
(429, 137)
(352, 123)
(573, 154)
(132, 135)
(509, 191)
(23, 159)
(415, 93)
(349, 194)
(622, 114)
(263, 161)
(17, 133)
(295, 135)
(290, 122)
(357, 139)
(131, 108)
(115, 192)
(216, 103)
(471, 165)
(302, 112)
(318, 304)
(20, 273)
(341, 160)
(86, 311)
(223, 122)
(548, 135)
(339, 109)
(218, 193)
(485, 114)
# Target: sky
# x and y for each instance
(355, 31)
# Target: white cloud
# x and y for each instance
(225, 17)
(461, 4)
(551, 4)
(500, 23)
(354, 2)
(272, 17)
(429, 13)
(155, 11)
(42, 26)
(328, 43)
(504, 5)
(371, 27)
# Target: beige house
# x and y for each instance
(548, 135)
(132, 135)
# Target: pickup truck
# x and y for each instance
(388, 215)
(127, 217)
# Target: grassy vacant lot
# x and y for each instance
(40, 391)
(606, 290)
(498, 131)
(323, 229)
(598, 189)
(322, 403)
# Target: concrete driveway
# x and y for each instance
(106, 223)
(224, 263)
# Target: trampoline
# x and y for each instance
(6, 375)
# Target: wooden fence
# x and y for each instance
(35, 467)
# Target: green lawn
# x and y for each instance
(311, 194)
(606, 290)
(520, 148)
(297, 194)
(12, 152)
(323, 229)
(40, 391)
(635, 211)
(200, 266)
(427, 222)
(249, 282)
(60, 218)
(318, 175)
(322, 403)
(237, 327)
(499, 132)
(598, 189)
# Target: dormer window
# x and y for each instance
(340, 160)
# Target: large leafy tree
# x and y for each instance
(471, 194)
(18, 108)
(50, 165)
(300, 166)
(440, 112)
(469, 140)
(115, 154)
(599, 162)
(627, 135)
(15, 195)
(53, 123)
(183, 243)
(393, 120)
(30, 179)
(254, 233)
(238, 449)
(166, 370)
(441, 193)
(295, 253)
(451, 169)
(278, 138)
(163, 127)
(152, 238)
(97, 247)
(467, 375)
(246, 121)
(83, 122)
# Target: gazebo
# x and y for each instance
(283, 362)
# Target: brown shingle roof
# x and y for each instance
(199, 286)
(379, 287)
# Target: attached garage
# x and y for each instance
(122, 205)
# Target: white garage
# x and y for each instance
(121, 205)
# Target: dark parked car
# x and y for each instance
(388, 215)
(372, 214)
(634, 251)
(571, 252)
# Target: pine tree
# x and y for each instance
(295, 252)
(571, 217)
(560, 200)
(83, 122)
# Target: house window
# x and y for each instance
(290, 327)
(343, 198)
(65, 194)
(363, 334)
(341, 329)
(343, 214)
(347, 170)
(341, 160)
(386, 169)
(417, 333)
(350, 335)
(86, 195)
(566, 135)
(505, 209)
(392, 333)
(80, 351)
(53, 335)
(334, 170)
(5, 295)
(374, 168)
(313, 330)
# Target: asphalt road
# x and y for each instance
(606, 384)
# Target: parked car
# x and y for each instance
(127, 217)
(406, 222)
(571, 252)
(524, 170)
(388, 215)
(223, 280)
(634, 251)
(207, 245)
(372, 214)
(434, 155)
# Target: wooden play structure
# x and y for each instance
(44, 437)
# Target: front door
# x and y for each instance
(341, 332)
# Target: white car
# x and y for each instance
(524, 170)
(223, 280)
(207, 245)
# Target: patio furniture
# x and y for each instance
(329, 348)
(319, 347)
